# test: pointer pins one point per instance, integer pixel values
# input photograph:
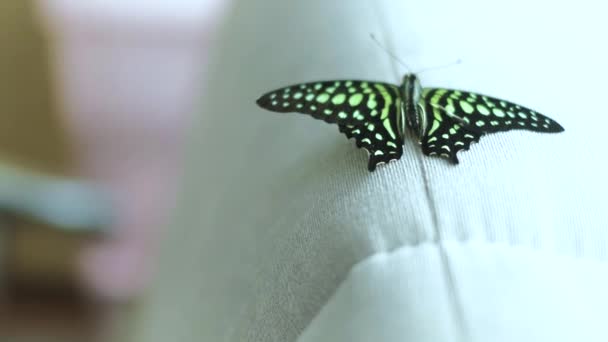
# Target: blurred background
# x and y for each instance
(95, 98)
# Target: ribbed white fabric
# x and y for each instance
(277, 209)
(507, 294)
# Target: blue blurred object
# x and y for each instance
(63, 203)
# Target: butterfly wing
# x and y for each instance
(377, 141)
(458, 118)
(365, 111)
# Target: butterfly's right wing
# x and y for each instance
(366, 111)
(458, 118)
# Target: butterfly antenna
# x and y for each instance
(456, 62)
(403, 64)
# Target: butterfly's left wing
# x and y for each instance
(382, 143)
(366, 111)
(458, 118)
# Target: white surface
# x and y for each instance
(397, 296)
(276, 209)
(506, 293)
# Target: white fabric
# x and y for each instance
(277, 208)
(505, 294)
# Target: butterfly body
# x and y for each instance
(376, 115)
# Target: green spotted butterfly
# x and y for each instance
(445, 121)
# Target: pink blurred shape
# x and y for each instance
(128, 74)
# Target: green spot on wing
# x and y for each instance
(322, 98)
(483, 110)
(355, 99)
(466, 107)
(498, 112)
(338, 99)
(388, 100)
(434, 127)
(357, 115)
(371, 101)
(387, 125)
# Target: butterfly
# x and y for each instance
(376, 115)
